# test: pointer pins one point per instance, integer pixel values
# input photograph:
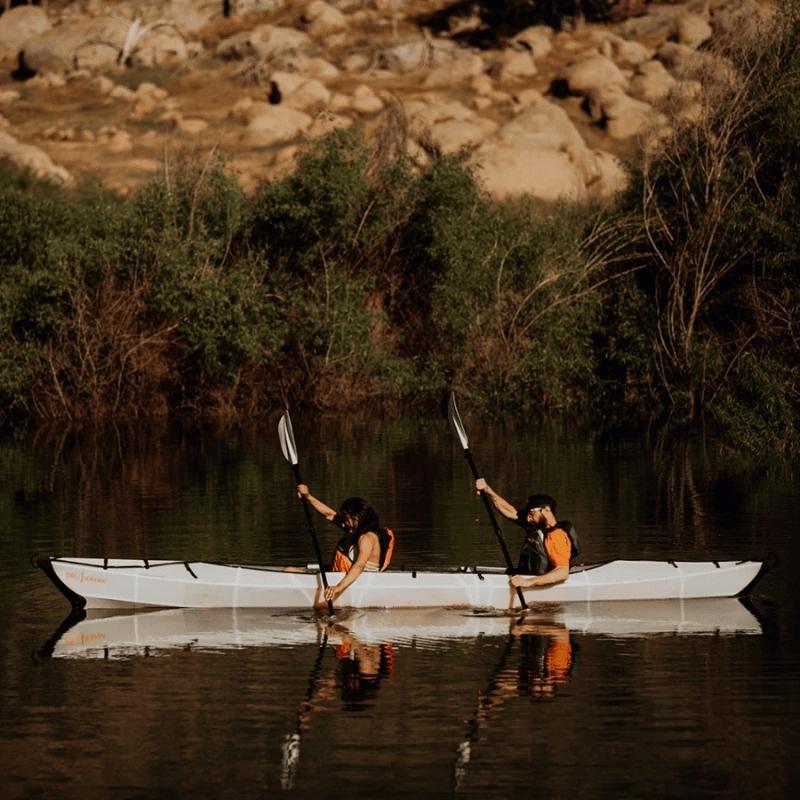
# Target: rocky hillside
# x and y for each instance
(103, 89)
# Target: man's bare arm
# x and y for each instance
(503, 506)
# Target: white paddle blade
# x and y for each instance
(455, 421)
(286, 437)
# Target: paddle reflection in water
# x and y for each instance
(291, 744)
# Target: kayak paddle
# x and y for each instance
(458, 428)
(286, 436)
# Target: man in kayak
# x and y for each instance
(365, 546)
(547, 545)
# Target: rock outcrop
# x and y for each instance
(549, 113)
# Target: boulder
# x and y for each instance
(102, 85)
(676, 56)
(286, 82)
(543, 124)
(318, 68)
(161, 46)
(265, 42)
(8, 96)
(624, 116)
(515, 65)
(365, 101)
(119, 143)
(624, 52)
(423, 117)
(269, 125)
(692, 30)
(457, 71)
(538, 40)
(191, 15)
(122, 93)
(509, 170)
(652, 83)
(595, 72)
(192, 126)
(452, 135)
(408, 56)
(27, 156)
(18, 25)
(323, 19)
(300, 93)
(482, 85)
(612, 177)
(82, 42)
(326, 122)
(356, 62)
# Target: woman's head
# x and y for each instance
(357, 517)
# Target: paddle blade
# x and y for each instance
(286, 437)
(455, 421)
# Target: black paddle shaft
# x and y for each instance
(313, 533)
(490, 511)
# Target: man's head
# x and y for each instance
(540, 510)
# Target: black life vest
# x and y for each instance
(533, 558)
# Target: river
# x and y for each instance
(683, 699)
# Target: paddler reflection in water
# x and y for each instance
(545, 663)
(549, 544)
(547, 656)
(361, 668)
(365, 546)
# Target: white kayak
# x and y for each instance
(128, 583)
(119, 634)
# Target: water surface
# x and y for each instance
(669, 700)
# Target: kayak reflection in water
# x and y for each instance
(549, 545)
(365, 547)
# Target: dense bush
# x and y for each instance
(718, 255)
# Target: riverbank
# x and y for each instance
(364, 278)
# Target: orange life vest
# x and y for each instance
(343, 557)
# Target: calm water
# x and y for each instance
(669, 700)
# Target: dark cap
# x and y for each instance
(539, 501)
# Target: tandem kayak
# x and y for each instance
(135, 583)
(120, 634)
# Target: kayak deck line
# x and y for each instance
(135, 583)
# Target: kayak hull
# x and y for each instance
(129, 584)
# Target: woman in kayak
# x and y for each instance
(365, 546)
(548, 544)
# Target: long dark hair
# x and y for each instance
(364, 515)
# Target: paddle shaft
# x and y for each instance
(296, 470)
(495, 527)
